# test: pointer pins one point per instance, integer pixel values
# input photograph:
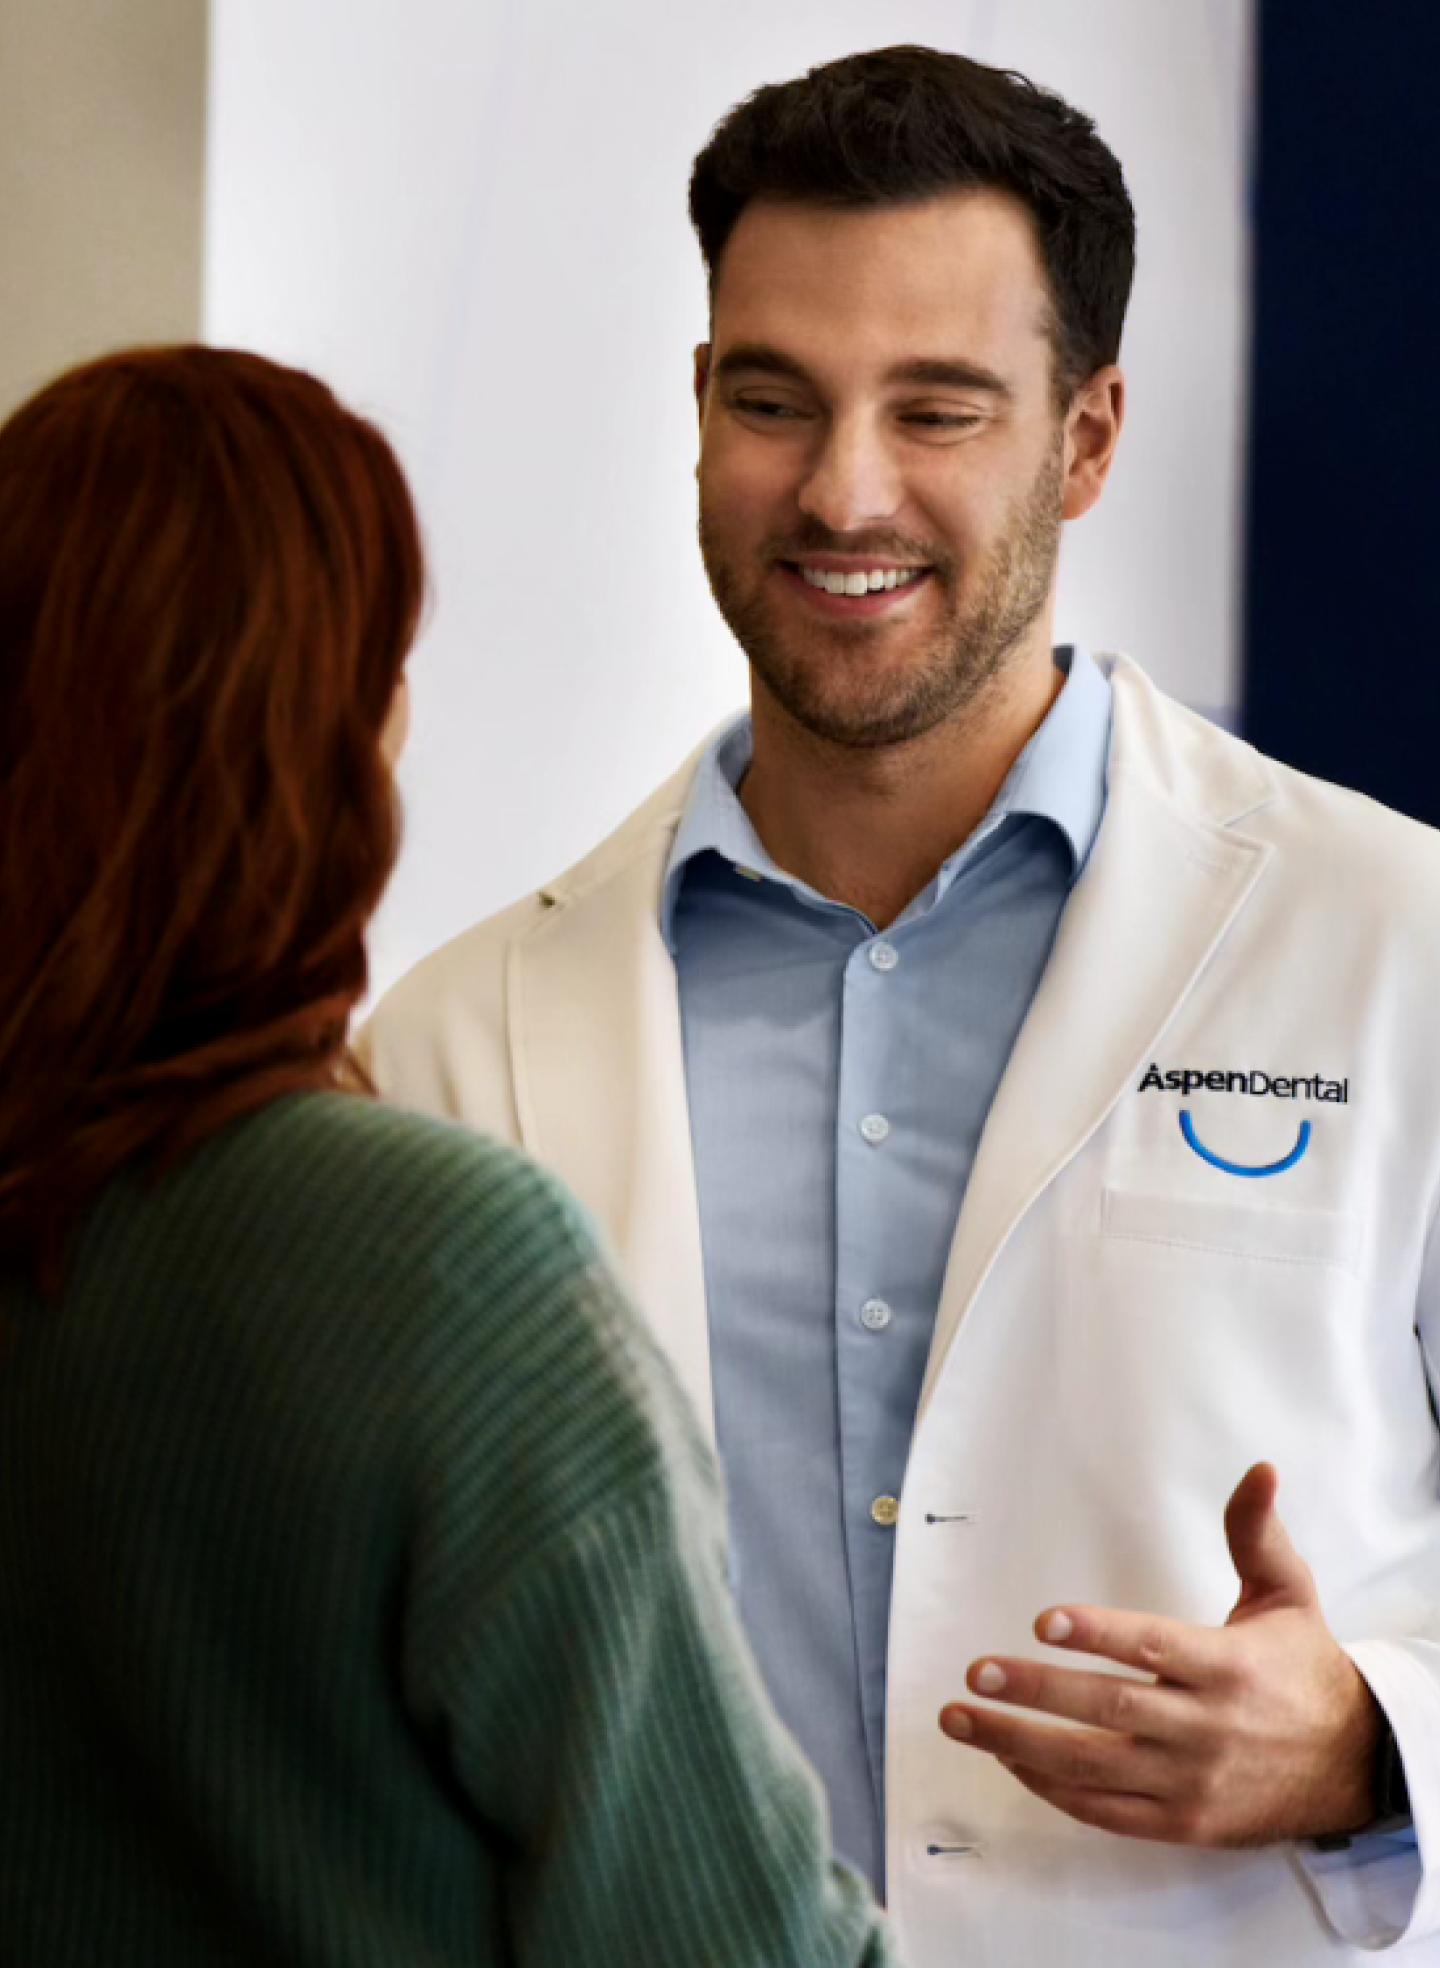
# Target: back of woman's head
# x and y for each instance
(210, 576)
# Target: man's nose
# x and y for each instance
(854, 480)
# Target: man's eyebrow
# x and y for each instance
(925, 372)
(939, 372)
(758, 358)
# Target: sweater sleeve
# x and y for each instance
(656, 1811)
(578, 1661)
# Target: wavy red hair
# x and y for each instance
(210, 576)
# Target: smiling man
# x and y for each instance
(885, 465)
(921, 1047)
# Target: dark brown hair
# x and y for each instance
(210, 575)
(901, 124)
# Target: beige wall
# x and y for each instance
(102, 164)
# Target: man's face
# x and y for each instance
(878, 404)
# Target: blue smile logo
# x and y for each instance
(1302, 1142)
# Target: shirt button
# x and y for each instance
(884, 955)
(875, 1314)
(875, 1128)
(885, 1511)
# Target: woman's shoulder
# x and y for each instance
(361, 1142)
(461, 1257)
(333, 1198)
(336, 1235)
(393, 1189)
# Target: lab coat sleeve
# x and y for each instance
(1384, 1887)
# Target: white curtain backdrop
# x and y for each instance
(469, 217)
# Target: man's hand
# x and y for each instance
(1256, 1731)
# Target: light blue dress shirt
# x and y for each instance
(838, 1083)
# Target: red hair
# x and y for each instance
(210, 576)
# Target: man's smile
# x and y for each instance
(846, 587)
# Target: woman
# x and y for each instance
(361, 1598)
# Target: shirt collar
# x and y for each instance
(1060, 776)
(1061, 773)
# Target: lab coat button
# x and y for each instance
(885, 1511)
(875, 1128)
(883, 955)
(875, 1314)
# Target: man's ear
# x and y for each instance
(702, 378)
(1092, 431)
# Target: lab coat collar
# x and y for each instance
(1169, 873)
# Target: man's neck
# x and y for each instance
(871, 827)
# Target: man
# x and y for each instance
(1012, 1100)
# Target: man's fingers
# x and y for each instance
(1171, 1650)
(1270, 1569)
(1078, 1759)
(1105, 1701)
(1120, 1811)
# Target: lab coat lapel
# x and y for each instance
(600, 1078)
(1165, 879)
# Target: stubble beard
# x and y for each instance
(821, 678)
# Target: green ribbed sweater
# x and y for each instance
(362, 1597)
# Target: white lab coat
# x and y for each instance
(1124, 1325)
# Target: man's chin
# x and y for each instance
(858, 720)
(861, 684)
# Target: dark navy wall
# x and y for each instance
(1342, 577)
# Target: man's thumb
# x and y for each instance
(1269, 1567)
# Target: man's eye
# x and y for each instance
(768, 409)
(944, 419)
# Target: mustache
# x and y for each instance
(816, 539)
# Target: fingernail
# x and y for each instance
(955, 1722)
(1057, 1628)
(990, 1679)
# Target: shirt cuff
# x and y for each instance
(1383, 1886)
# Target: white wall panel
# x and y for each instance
(102, 152)
(469, 215)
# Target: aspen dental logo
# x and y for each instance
(1278, 1086)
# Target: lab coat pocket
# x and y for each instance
(1272, 1233)
(1201, 1334)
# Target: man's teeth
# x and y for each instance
(859, 584)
